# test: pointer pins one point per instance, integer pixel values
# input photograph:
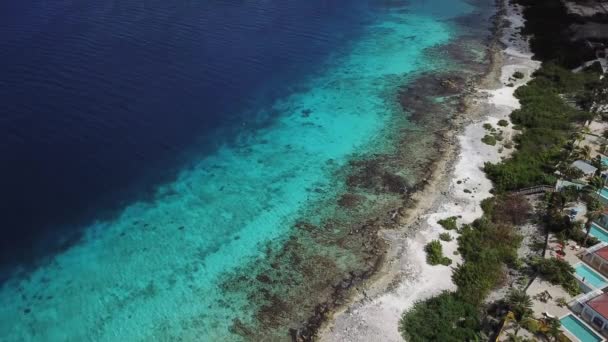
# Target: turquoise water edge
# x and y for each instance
(579, 329)
(598, 232)
(156, 271)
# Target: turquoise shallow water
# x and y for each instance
(154, 272)
(580, 330)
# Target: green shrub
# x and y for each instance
(531, 325)
(434, 254)
(449, 223)
(445, 236)
(518, 75)
(548, 121)
(489, 140)
(475, 280)
(485, 248)
(485, 239)
(503, 123)
(441, 318)
(487, 126)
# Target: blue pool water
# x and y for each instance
(579, 329)
(154, 152)
(598, 232)
(604, 193)
(590, 276)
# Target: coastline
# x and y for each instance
(330, 252)
(405, 277)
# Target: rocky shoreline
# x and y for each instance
(381, 295)
(356, 284)
(367, 213)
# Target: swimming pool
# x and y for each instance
(589, 276)
(579, 329)
(604, 193)
(598, 232)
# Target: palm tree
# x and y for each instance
(554, 328)
(519, 303)
(585, 152)
(594, 186)
(571, 173)
(577, 137)
(586, 129)
(599, 165)
(597, 161)
(592, 215)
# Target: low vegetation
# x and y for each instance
(442, 318)
(445, 236)
(547, 122)
(434, 254)
(553, 104)
(449, 223)
(487, 246)
(489, 139)
(518, 75)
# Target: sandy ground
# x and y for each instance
(406, 279)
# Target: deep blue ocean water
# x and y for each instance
(101, 101)
(150, 150)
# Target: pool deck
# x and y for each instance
(539, 286)
(555, 291)
(571, 253)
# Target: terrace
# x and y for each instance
(597, 257)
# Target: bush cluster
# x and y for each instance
(486, 246)
(434, 254)
(547, 121)
(489, 140)
(442, 318)
(445, 237)
(449, 223)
